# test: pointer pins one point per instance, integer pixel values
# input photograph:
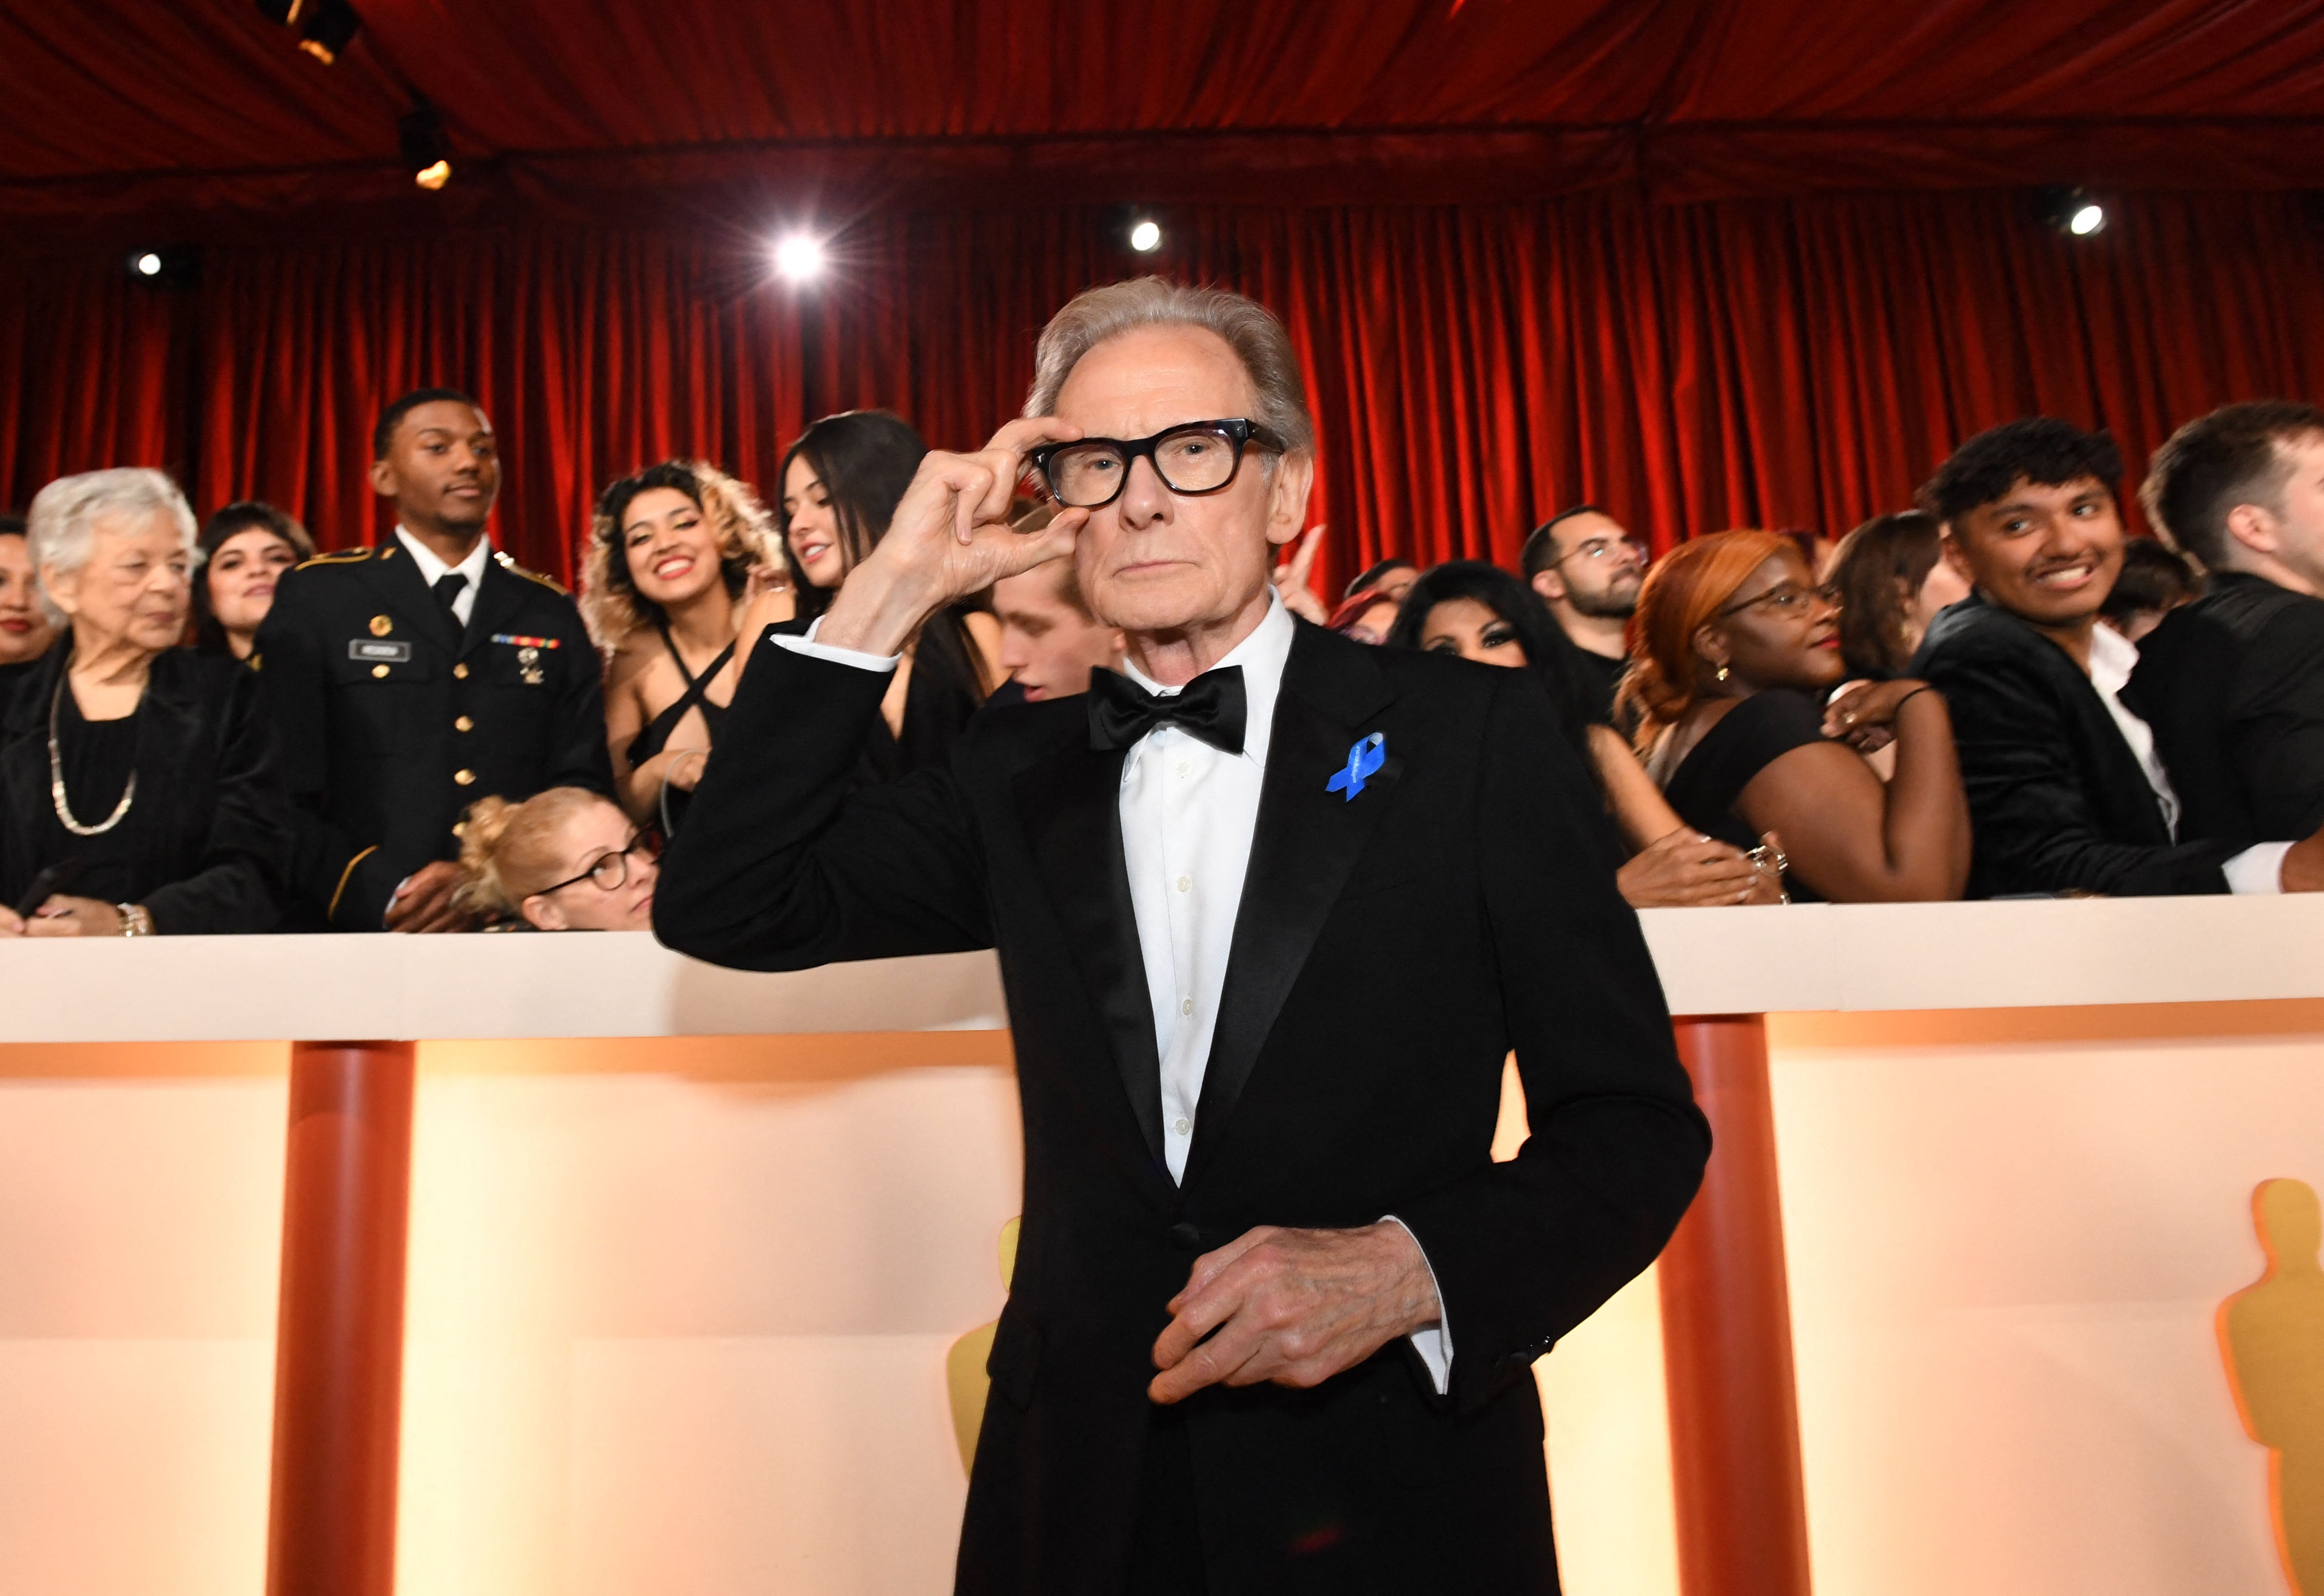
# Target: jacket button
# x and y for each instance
(1186, 1238)
(465, 778)
(379, 670)
(464, 724)
(461, 670)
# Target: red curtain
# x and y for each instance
(1783, 363)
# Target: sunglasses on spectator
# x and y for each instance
(610, 872)
(1198, 457)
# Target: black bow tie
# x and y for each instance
(1212, 707)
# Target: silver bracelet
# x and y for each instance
(134, 920)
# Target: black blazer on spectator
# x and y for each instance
(206, 838)
(2232, 685)
(2056, 799)
(1388, 952)
(392, 718)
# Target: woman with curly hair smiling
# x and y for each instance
(682, 560)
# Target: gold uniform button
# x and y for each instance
(461, 670)
(464, 724)
(465, 778)
(379, 670)
(380, 626)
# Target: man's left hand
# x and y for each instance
(1292, 1307)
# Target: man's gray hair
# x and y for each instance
(1249, 328)
(58, 529)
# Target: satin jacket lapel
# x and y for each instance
(1303, 847)
(396, 575)
(1071, 804)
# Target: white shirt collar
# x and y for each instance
(432, 570)
(1262, 657)
(2113, 657)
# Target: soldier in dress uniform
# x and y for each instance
(409, 681)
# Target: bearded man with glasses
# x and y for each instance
(1587, 570)
(1275, 1308)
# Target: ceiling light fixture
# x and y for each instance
(800, 257)
(331, 25)
(1145, 235)
(2073, 212)
(427, 155)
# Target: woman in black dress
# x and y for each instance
(243, 551)
(682, 560)
(137, 792)
(842, 481)
(1480, 612)
(1738, 647)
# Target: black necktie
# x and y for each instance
(447, 591)
(1212, 707)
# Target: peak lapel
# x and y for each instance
(396, 576)
(1303, 847)
(498, 597)
(1071, 807)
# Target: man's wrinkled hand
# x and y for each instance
(1292, 1307)
(424, 902)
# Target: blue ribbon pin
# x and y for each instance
(1364, 760)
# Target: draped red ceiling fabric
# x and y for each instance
(1788, 364)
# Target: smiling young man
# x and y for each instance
(409, 681)
(2066, 791)
(1275, 1308)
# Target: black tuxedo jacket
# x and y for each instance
(1388, 952)
(2057, 800)
(392, 718)
(206, 835)
(2232, 685)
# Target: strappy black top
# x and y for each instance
(656, 735)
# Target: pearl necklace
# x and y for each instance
(57, 777)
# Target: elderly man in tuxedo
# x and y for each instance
(1272, 908)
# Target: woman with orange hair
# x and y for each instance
(1738, 647)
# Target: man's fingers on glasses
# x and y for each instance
(1029, 432)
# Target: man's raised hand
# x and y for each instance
(949, 537)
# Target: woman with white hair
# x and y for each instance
(138, 793)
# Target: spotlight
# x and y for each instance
(799, 257)
(419, 137)
(2071, 211)
(331, 27)
(161, 268)
(1145, 235)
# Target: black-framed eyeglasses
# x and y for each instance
(1197, 458)
(1786, 599)
(610, 872)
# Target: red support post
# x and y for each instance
(339, 1371)
(1727, 1336)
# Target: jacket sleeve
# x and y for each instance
(778, 867)
(333, 876)
(2275, 730)
(2029, 815)
(1525, 1250)
(576, 731)
(239, 886)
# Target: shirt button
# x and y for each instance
(461, 670)
(1182, 1125)
(465, 778)
(1185, 1005)
(1183, 767)
(464, 724)
(1185, 884)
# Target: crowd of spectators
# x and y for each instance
(1996, 692)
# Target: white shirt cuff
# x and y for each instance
(1434, 1342)
(2257, 868)
(814, 651)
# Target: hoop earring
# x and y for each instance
(1720, 676)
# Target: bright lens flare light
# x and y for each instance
(2086, 220)
(149, 265)
(433, 177)
(1146, 238)
(801, 258)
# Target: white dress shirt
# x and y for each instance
(433, 570)
(2258, 868)
(1188, 811)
